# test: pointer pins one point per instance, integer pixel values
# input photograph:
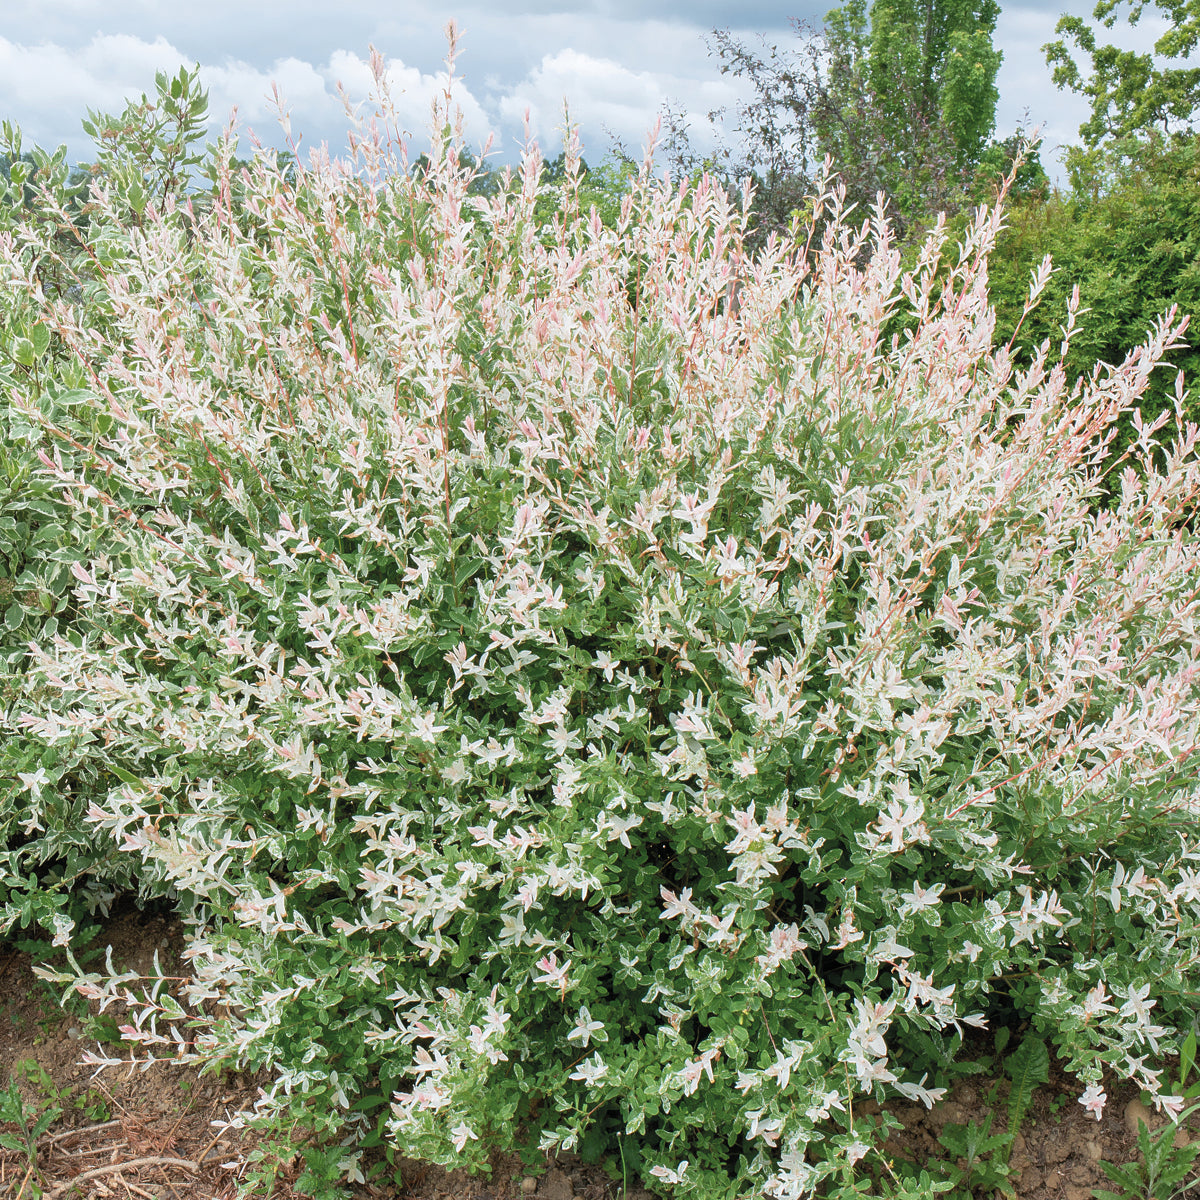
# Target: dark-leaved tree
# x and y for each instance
(901, 96)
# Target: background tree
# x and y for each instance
(1129, 93)
(901, 96)
(911, 96)
(1127, 230)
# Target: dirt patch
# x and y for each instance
(1057, 1151)
(114, 1132)
(162, 1133)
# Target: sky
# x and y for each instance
(614, 62)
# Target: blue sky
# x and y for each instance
(615, 61)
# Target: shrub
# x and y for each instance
(569, 713)
(1128, 237)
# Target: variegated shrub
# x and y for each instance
(571, 710)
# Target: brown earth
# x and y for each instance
(157, 1133)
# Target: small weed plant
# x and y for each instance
(564, 706)
(24, 1123)
(980, 1158)
(1163, 1171)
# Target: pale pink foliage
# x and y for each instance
(1085, 602)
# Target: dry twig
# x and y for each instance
(133, 1187)
(70, 1133)
(96, 1172)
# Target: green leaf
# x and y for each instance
(1187, 1058)
(14, 616)
(170, 1006)
(44, 1121)
(22, 351)
(464, 569)
(39, 337)
(1028, 1066)
(75, 398)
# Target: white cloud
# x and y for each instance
(603, 91)
(49, 88)
(604, 95)
(112, 69)
(301, 89)
(412, 93)
(615, 66)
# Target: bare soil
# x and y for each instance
(159, 1133)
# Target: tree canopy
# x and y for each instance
(901, 96)
(928, 66)
(1128, 91)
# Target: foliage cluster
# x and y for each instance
(564, 707)
(1124, 232)
(1129, 93)
(902, 100)
(1129, 240)
(901, 97)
